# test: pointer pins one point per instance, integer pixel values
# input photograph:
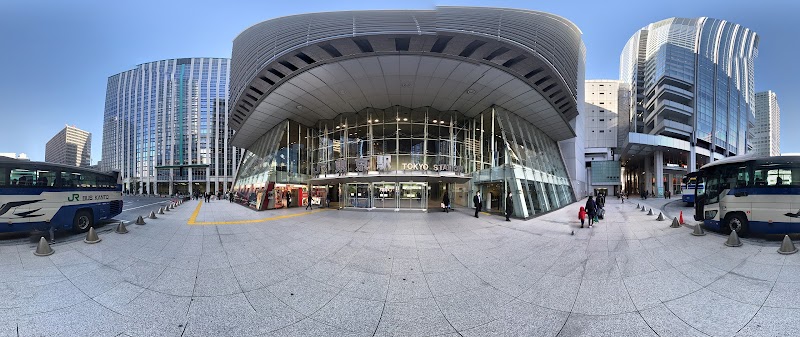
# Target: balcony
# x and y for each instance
(673, 129)
(670, 110)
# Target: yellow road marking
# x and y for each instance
(193, 218)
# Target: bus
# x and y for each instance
(688, 186)
(37, 196)
(750, 195)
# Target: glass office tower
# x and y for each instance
(166, 127)
(693, 89)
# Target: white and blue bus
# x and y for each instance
(750, 195)
(688, 187)
(36, 196)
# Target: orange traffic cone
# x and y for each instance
(680, 219)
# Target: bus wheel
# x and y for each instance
(738, 222)
(82, 221)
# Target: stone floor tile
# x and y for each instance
(711, 313)
(627, 324)
(418, 317)
(553, 292)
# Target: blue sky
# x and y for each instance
(56, 56)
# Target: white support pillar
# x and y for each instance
(659, 168)
(692, 162)
(648, 174)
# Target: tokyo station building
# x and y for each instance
(390, 110)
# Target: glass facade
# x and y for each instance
(403, 158)
(166, 127)
(696, 83)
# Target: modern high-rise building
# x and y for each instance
(166, 127)
(70, 146)
(767, 132)
(693, 99)
(394, 110)
(604, 99)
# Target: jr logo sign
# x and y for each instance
(74, 197)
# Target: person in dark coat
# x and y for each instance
(591, 210)
(478, 203)
(509, 206)
(446, 202)
(309, 202)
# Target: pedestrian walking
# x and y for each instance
(288, 199)
(308, 206)
(582, 215)
(509, 206)
(478, 203)
(591, 210)
(446, 202)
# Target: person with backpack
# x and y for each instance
(591, 210)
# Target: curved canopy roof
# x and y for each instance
(447, 60)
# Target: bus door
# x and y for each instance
(699, 195)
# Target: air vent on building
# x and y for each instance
(533, 73)
(364, 45)
(265, 79)
(562, 106)
(547, 88)
(542, 80)
(248, 103)
(288, 65)
(559, 100)
(555, 93)
(244, 107)
(440, 44)
(331, 50)
(471, 47)
(402, 43)
(496, 53)
(514, 61)
(276, 73)
(307, 59)
(259, 92)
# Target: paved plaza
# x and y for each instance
(218, 269)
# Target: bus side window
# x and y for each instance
(4, 179)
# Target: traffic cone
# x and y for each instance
(698, 230)
(733, 240)
(140, 221)
(787, 247)
(91, 237)
(121, 228)
(681, 218)
(161, 210)
(152, 215)
(643, 208)
(675, 223)
(650, 212)
(43, 249)
(167, 208)
(660, 216)
(637, 206)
